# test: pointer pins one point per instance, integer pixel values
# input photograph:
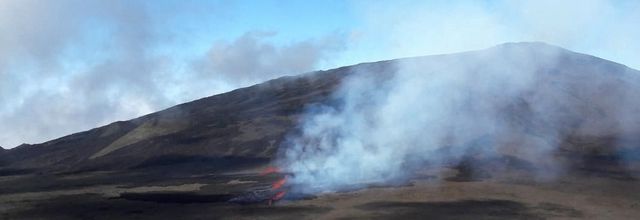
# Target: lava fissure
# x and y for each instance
(274, 193)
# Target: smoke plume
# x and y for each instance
(521, 99)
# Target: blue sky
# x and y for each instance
(71, 65)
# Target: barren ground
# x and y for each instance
(439, 193)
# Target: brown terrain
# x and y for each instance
(188, 161)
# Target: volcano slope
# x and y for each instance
(189, 160)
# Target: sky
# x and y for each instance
(72, 65)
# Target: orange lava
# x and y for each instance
(279, 195)
(270, 170)
(278, 184)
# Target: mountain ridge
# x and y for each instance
(248, 122)
(507, 44)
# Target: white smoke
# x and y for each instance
(382, 124)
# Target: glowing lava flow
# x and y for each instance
(279, 183)
(279, 195)
(276, 186)
(270, 170)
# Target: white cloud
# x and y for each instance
(251, 58)
(68, 66)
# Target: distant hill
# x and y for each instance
(247, 125)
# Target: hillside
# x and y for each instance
(252, 122)
(206, 151)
